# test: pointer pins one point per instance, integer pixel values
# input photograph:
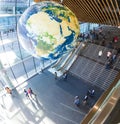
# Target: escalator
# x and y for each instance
(66, 61)
(66, 66)
(63, 60)
(60, 63)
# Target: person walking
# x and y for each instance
(26, 93)
(31, 93)
(85, 99)
(77, 101)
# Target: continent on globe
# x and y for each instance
(48, 29)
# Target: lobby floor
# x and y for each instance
(53, 103)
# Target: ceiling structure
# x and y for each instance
(94, 11)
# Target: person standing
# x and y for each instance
(109, 54)
(56, 76)
(115, 39)
(8, 90)
(108, 65)
(114, 57)
(65, 75)
(100, 53)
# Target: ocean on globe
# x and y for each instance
(48, 29)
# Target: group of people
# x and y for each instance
(108, 55)
(64, 76)
(29, 93)
(90, 93)
(110, 58)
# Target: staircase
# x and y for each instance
(93, 72)
(91, 52)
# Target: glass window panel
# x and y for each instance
(19, 72)
(8, 6)
(42, 63)
(10, 54)
(3, 57)
(11, 77)
(15, 49)
(30, 67)
(1, 48)
(47, 62)
(38, 64)
(24, 53)
(85, 27)
(92, 26)
(14, 53)
(2, 84)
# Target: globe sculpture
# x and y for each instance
(48, 29)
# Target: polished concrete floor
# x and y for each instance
(53, 103)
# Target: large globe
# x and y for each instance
(48, 29)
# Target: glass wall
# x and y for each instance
(86, 27)
(16, 64)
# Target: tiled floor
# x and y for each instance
(53, 103)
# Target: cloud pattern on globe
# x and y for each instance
(48, 29)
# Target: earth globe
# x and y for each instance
(48, 29)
